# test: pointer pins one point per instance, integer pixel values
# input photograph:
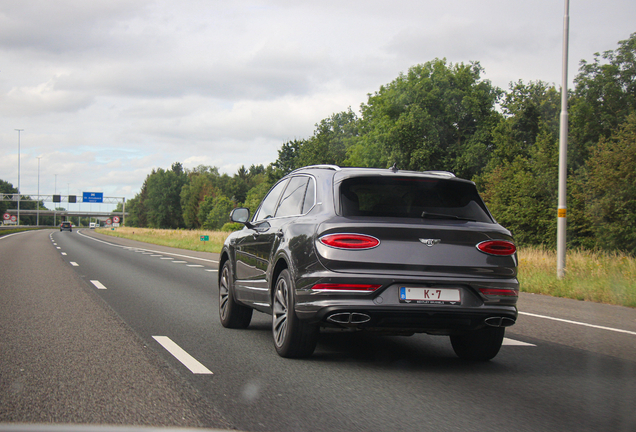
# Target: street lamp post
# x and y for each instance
(19, 130)
(563, 153)
(38, 203)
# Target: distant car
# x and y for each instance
(380, 250)
(66, 226)
(91, 225)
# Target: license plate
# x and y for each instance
(430, 295)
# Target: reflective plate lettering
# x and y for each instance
(449, 296)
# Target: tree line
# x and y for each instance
(445, 116)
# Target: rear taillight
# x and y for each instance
(499, 292)
(497, 247)
(345, 287)
(349, 241)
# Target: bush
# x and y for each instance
(232, 226)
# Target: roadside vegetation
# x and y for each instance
(4, 232)
(602, 277)
(181, 239)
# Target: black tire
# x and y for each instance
(478, 345)
(293, 338)
(232, 314)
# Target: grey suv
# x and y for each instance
(379, 250)
(66, 226)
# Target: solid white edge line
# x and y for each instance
(513, 342)
(98, 284)
(186, 359)
(148, 250)
(579, 323)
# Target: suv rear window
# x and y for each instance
(411, 197)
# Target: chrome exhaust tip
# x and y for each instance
(499, 321)
(349, 318)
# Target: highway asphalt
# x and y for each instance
(98, 330)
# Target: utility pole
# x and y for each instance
(563, 152)
(19, 130)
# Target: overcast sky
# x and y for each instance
(108, 90)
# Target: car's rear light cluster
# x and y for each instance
(497, 247)
(499, 292)
(345, 287)
(350, 241)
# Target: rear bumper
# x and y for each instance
(383, 311)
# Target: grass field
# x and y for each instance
(182, 239)
(592, 276)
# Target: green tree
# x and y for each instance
(330, 141)
(604, 95)
(610, 192)
(218, 213)
(437, 116)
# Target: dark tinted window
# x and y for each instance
(310, 196)
(292, 201)
(268, 205)
(411, 197)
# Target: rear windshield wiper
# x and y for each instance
(427, 215)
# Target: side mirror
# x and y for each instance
(241, 215)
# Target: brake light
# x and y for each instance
(345, 287)
(497, 247)
(349, 241)
(499, 292)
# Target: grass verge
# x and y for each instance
(182, 239)
(4, 232)
(590, 275)
(593, 276)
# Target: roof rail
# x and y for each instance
(325, 166)
(440, 173)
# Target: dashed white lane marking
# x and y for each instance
(58, 247)
(98, 284)
(186, 359)
(179, 262)
(579, 323)
(63, 253)
(194, 265)
(155, 256)
(512, 342)
(74, 264)
(150, 250)
(167, 258)
(213, 270)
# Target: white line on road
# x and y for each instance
(150, 250)
(194, 265)
(185, 358)
(213, 270)
(579, 323)
(167, 258)
(179, 262)
(74, 264)
(58, 247)
(512, 342)
(98, 284)
(63, 253)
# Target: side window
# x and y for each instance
(268, 206)
(310, 196)
(292, 201)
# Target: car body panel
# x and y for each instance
(413, 252)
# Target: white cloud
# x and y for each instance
(107, 90)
